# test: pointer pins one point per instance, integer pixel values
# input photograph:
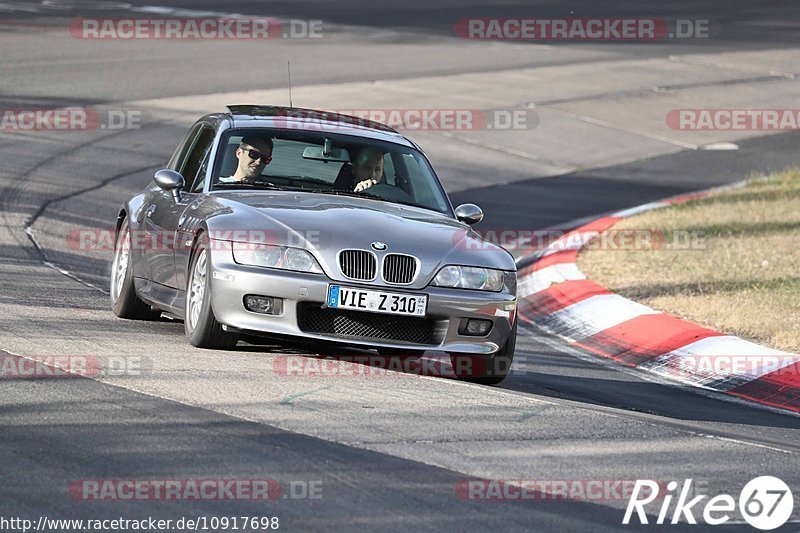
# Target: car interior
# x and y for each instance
(324, 164)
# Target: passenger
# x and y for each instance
(253, 153)
(367, 168)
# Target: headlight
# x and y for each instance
(461, 277)
(271, 256)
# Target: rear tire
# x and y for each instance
(124, 301)
(200, 324)
(488, 370)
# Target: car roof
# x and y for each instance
(298, 118)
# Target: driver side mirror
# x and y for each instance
(469, 213)
(169, 181)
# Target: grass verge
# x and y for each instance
(729, 261)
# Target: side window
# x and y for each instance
(179, 156)
(200, 177)
(420, 184)
(193, 162)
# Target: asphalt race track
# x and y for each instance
(387, 452)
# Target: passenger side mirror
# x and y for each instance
(169, 181)
(469, 213)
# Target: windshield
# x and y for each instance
(327, 163)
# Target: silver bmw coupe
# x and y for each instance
(296, 223)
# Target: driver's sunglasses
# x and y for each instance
(255, 154)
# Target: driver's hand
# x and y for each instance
(366, 184)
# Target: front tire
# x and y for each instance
(200, 324)
(486, 370)
(124, 301)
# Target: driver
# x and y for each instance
(253, 153)
(367, 168)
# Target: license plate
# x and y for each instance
(391, 303)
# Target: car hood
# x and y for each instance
(326, 224)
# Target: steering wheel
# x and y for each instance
(389, 192)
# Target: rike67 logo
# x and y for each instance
(765, 503)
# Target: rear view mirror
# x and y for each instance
(326, 153)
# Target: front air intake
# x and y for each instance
(358, 264)
(399, 269)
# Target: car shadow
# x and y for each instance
(547, 373)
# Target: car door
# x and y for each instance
(163, 216)
(189, 221)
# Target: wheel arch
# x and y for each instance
(123, 214)
(193, 250)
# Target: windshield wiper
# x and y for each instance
(365, 194)
(248, 184)
(346, 192)
(300, 179)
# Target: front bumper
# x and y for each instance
(231, 282)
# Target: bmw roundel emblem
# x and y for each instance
(378, 245)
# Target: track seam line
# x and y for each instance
(28, 229)
(32, 220)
